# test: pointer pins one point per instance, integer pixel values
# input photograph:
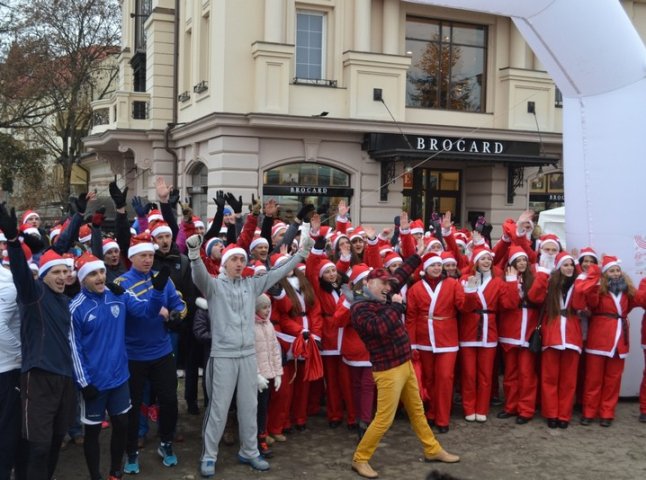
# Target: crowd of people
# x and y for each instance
(286, 317)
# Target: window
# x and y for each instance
(310, 42)
(142, 12)
(448, 65)
(558, 98)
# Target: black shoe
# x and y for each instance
(552, 422)
(642, 417)
(563, 424)
(334, 423)
(605, 422)
(504, 414)
(352, 427)
(522, 420)
(287, 431)
(443, 429)
(431, 422)
(496, 402)
(192, 408)
(585, 421)
(300, 428)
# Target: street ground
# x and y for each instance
(497, 449)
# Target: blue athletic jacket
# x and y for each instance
(98, 334)
(146, 335)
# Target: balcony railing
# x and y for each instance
(121, 110)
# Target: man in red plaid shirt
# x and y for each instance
(378, 321)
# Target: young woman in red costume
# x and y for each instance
(326, 281)
(517, 321)
(562, 344)
(609, 304)
(478, 333)
(431, 320)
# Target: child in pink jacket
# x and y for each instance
(268, 355)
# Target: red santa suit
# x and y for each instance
(337, 375)
(478, 340)
(516, 323)
(607, 344)
(431, 320)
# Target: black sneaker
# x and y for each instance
(585, 421)
(605, 422)
(505, 414)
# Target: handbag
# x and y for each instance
(535, 340)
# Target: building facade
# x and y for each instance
(384, 103)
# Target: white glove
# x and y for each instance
(193, 243)
(277, 382)
(263, 383)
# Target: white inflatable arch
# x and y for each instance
(598, 61)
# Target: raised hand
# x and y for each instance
(82, 201)
(118, 196)
(219, 199)
(270, 208)
(173, 198)
(420, 247)
(140, 209)
(98, 217)
(511, 271)
(304, 212)
(255, 206)
(8, 222)
(315, 224)
(446, 220)
(371, 232)
(236, 204)
(163, 190)
(193, 243)
(404, 223)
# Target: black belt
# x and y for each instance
(524, 304)
(564, 312)
(480, 334)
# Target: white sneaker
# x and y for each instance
(480, 418)
(470, 418)
(180, 374)
(200, 372)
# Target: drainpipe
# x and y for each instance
(173, 122)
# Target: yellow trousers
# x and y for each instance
(392, 385)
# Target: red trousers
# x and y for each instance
(437, 377)
(642, 390)
(558, 382)
(280, 403)
(476, 376)
(602, 385)
(520, 381)
(317, 388)
(338, 389)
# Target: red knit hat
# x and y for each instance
(560, 259)
(416, 226)
(277, 228)
(430, 241)
(336, 236)
(358, 232)
(609, 261)
(155, 216)
(109, 244)
(324, 265)
(86, 264)
(49, 259)
(232, 250)
(385, 250)
(359, 272)
(27, 214)
(141, 243)
(479, 252)
(515, 252)
(85, 233)
(160, 228)
(588, 251)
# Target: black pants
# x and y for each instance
(193, 361)
(13, 451)
(162, 374)
(263, 405)
(92, 450)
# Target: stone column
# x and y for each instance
(274, 21)
(390, 27)
(362, 25)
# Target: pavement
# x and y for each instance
(497, 449)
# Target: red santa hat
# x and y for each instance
(359, 272)
(25, 228)
(48, 260)
(258, 241)
(55, 232)
(69, 261)
(391, 258)
(385, 250)
(448, 257)
(461, 239)
(85, 233)
(141, 243)
(300, 267)
(430, 241)
(232, 250)
(548, 238)
(197, 221)
(560, 259)
(515, 252)
(324, 265)
(431, 259)
(278, 258)
(277, 228)
(609, 261)
(259, 267)
(27, 215)
(358, 232)
(86, 264)
(160, 228)
(588, 251)
(480, 252)
(416, 226)
(109, 244)
(155, 216)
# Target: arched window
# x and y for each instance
(296, 184)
